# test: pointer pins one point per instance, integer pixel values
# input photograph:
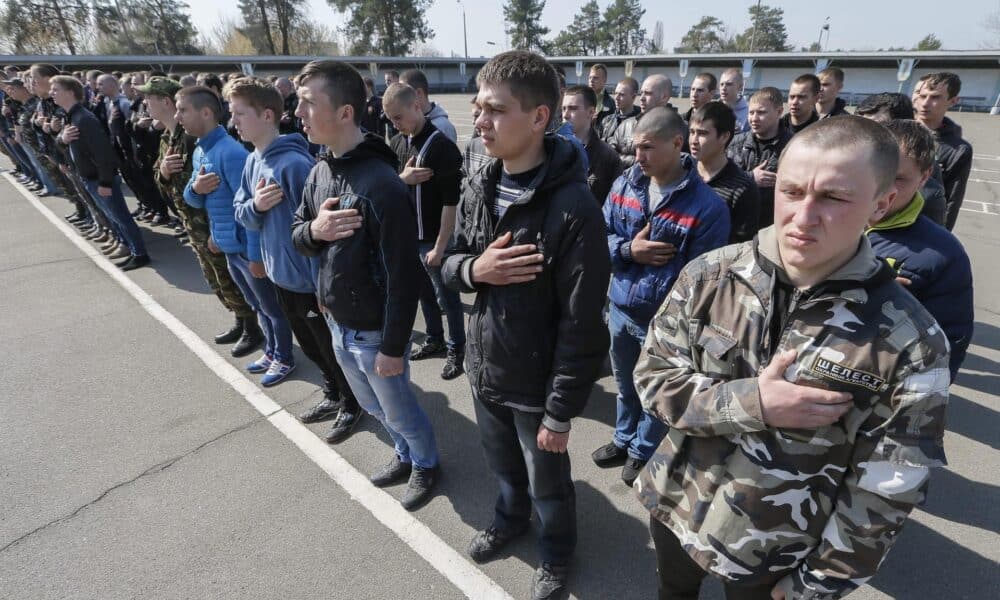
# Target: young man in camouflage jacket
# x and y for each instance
(172, 171)
(804, 388)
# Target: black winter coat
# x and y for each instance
(541, 343)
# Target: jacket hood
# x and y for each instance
(436, 111)
(865, 269)
(292, 143)
(563, 164)
(372, 147)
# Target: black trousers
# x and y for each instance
(528, 475)
(680, 577)
(313, 336)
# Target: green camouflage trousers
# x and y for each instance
(213, 266)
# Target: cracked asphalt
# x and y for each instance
(129, 470)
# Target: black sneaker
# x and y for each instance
(342, 426)
(609, 455)
(326, 409)
(393, 472)
(418, 489)
(453, 365)
(631, 470)
(550, 582)
(486, 545)
(429, 349)
(135, 262)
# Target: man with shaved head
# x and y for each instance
(655, 91)
(804, 390)
(660, 214)
(288, 123)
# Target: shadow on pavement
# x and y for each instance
(926, 564)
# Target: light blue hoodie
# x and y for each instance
(287, 162)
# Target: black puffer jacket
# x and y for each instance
(542, 343)
(369, 281)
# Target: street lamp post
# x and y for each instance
(465, 35)
(826, 28)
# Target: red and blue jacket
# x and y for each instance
(692, 217)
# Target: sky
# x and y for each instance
(854, 24)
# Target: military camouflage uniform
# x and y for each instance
(195, 221)
(814, 511)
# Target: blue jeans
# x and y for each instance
(261, 297)
(389, 399)
(116, 210)
(435, 296)
(636, 431)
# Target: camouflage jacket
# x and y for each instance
(814, 511)
(176, 142)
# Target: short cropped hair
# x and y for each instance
(589, 97)
(632, 83)
(853, 133)
(342, 84)
(70, 83)
(661, 123)
(896, 106)
(709, 79)
(531, 79)
(915, 140)
(771, 94)
(211, 80)
(734, 71)
(719, 115)
(392, 73)
(951, 82)
(258, 93)
(202, 97)
(600, 67)
(416, 79)
(835, 72)
(44, 69)
(808, 79)
(94, 74)
(400, 94)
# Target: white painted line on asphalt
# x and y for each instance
(983, 180)
(425, 543)
(986, 157)
(987, 170)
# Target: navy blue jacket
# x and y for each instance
(693, 218)
(934, 260)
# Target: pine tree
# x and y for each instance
(623, 22)
(524, 26)
(384, 27)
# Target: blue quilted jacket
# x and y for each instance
(221, 154)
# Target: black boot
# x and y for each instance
(251, 339)
(232, 334)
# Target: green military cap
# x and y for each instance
(160, 86)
